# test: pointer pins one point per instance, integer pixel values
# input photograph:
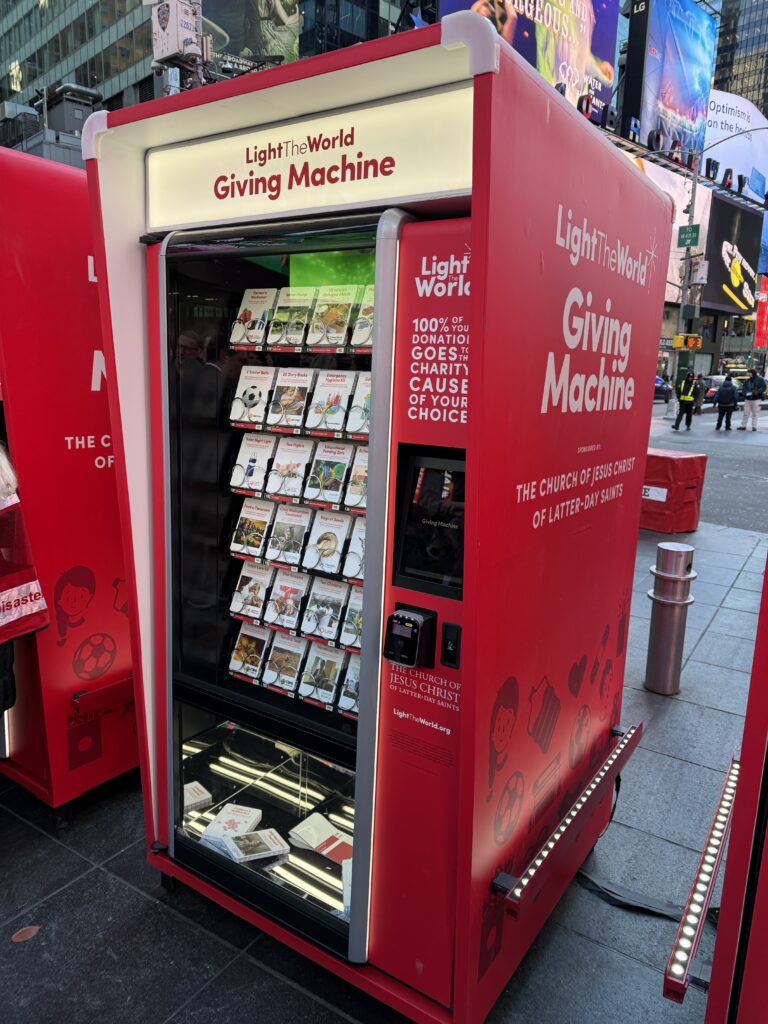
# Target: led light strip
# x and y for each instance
(686, 944)
(515, 888)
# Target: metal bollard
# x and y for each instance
(670, 596)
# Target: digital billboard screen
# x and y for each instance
(254, 29)
(572, 43)
(679, 53)
(733, 248)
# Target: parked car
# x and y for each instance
(663, 390)
(711, 384)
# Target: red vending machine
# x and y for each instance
(383, 420)
(73, 725)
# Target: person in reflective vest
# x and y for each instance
(687, 393)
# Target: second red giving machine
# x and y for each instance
(384, 417)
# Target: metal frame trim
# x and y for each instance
(387, 250)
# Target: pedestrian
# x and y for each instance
(754, 390)
(727, 400)
(700, 397)
(687, 393)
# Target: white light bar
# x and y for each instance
(591, 796)
(686, 944)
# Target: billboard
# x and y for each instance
(733, 247)
(669, 65)
(254, 29)
(679, 189)
(736, 137)
(572, 43)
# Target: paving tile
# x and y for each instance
(634, 668)
(715, 573)
(649, 866)
(668, 798)
(693, 733)
(756, 563)
(708, 593)
(744, 600)
(699, 615)
(737, 543)
(733, 622)
(637, 635)
(640, 705)
(556, 984)
(641, 581)
(104, 952)
(723, 559)
(32, 865)
(131, 865)
(244, 993)
(641, 607)
(749, 581)
(712, 686)
(337, 993)
(103, 822)
(727, 651)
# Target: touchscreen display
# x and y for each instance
(432, 546)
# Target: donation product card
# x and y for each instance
(255, 845)
(328, 472)
(289, 531)
(362, 332)
(326, 541)
(252, 525)
(252, 589)
(249, 651)
(360, 410)
(356, 494)
(250, 470)
(331, 317)
(252, 395)
(325, 608)
(284, 605)
(330, 400)
(350, 690)
(289, 468)
(253, 316)
(290, 396)
(232, 820)
(321, 675)
(294, 307)
(317, 833)
(354, 563)
(352, 627)
(286, 657)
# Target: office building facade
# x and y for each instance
(741, 66)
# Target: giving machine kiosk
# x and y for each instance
(383, 405)
(72, 725)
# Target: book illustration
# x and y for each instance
(251, 529)
(320, 677)
(196, 797)
(284, 604)
(249, 650)
(255, 845)
(356, 495)
(250, 469)
(325, 608)
(354, 563)
(290, 396)
(328, 472)
(350, 691)
(253, 316)
(362, 332)
(249, 404)
(289, 467)
(545, 789)
(330, 400)
(352, 627)
(231, 820)
(283, 666)
(289, 531)
(359, 415)
(543, 715)
(251, 591)
(331, 317)
(326, 541)
(319, 834)
(294, 307)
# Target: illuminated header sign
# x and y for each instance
(392, 151)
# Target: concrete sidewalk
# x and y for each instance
(114, 945)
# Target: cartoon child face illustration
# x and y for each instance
(72, 595)
(503, 719)
(74, 600)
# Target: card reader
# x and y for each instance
(410, 637)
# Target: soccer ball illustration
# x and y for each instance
(94, 656)
(250, 397)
